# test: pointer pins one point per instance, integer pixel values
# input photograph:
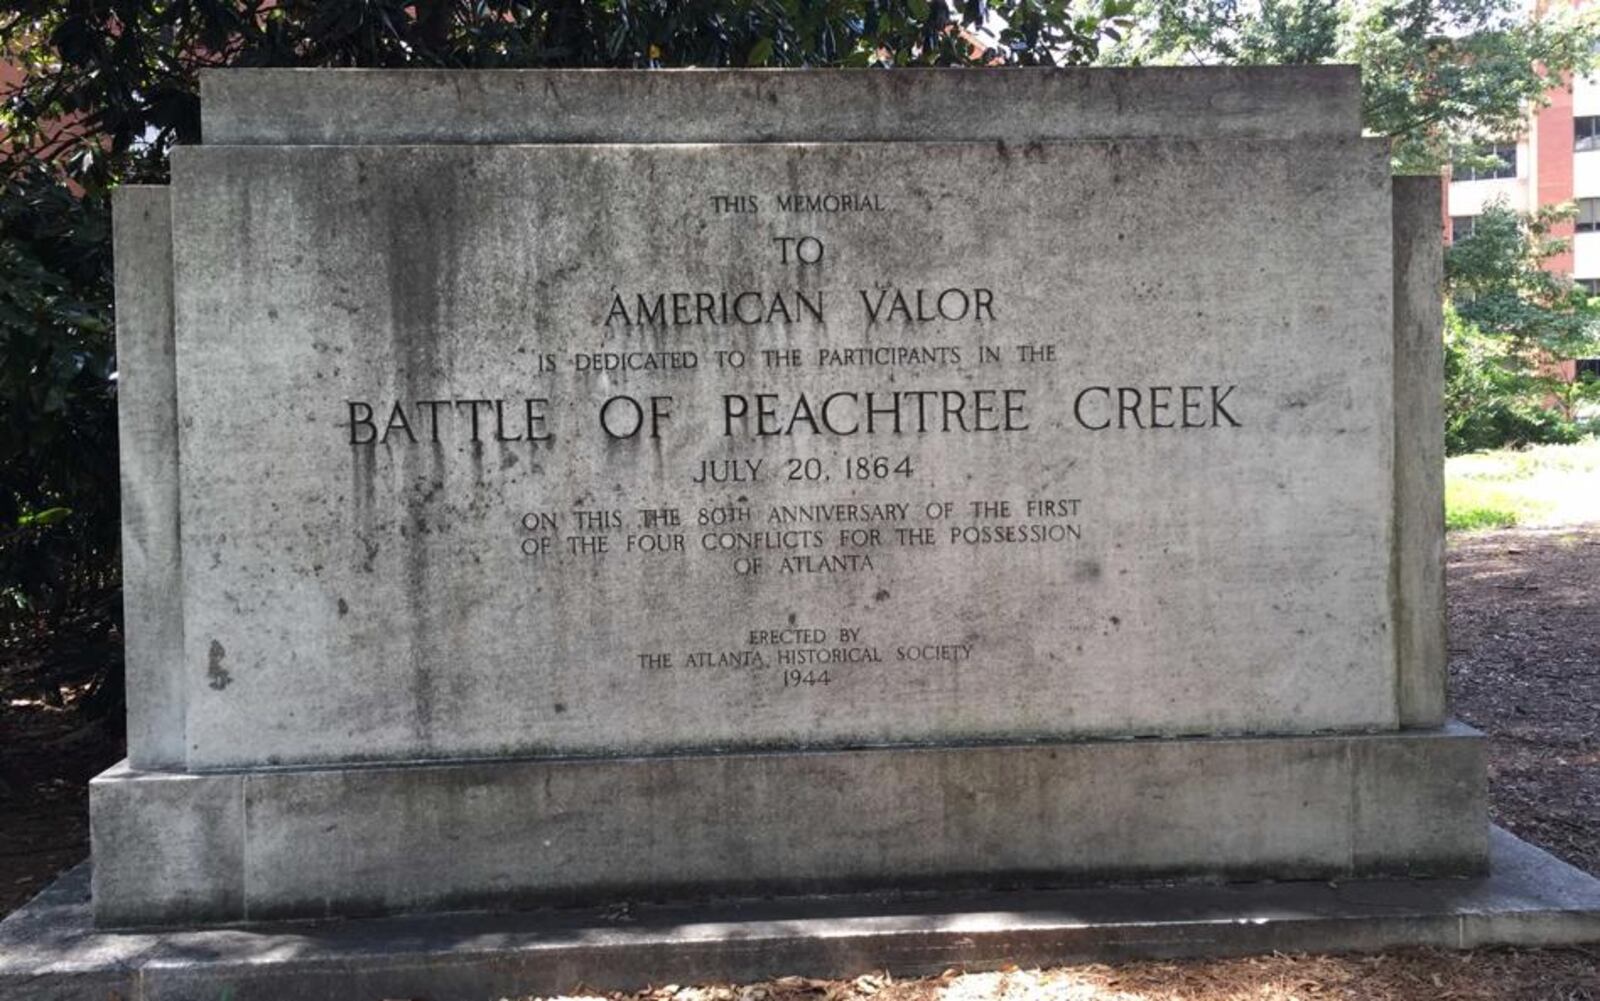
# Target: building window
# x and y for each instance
(1461, 226)
(1505, 155)
(1588, 216)
(1589, 285)
(1585, 133)
(1587, 368)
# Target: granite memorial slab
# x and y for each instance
(519, 450)
(570, 487)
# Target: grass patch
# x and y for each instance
(1544, 486)
(1478, 519)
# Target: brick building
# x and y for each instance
(1556, 161)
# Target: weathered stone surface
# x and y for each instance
(171, 846)
(49, 950)
(376, 600)
(701, 501)
(147, 426)
(341, 841)
(1420, 648)
(399, 107)
(1416, 810)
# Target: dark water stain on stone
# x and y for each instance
(363, 471)
(344, 607)
(422, 691)
(216, 675)
(882, 595)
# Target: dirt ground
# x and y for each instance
(47, 756)
(1525, 668)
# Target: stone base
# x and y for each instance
(173, 848)
(49, 950)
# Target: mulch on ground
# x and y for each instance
(1525, 669)
(1413, 975)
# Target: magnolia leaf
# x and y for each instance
(42, 519)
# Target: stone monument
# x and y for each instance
(572, 488)
(597, 501)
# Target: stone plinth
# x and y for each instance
(50, 950)
(574, 488)
(506, 834)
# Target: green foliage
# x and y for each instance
(123, 73)
(110, 86)
(1225, 32)
(1507, 322)
(1439, 77)
(1446, 77)
(58, 474)
(1477, 519)
(1488, 402)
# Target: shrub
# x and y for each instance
(58, 467)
